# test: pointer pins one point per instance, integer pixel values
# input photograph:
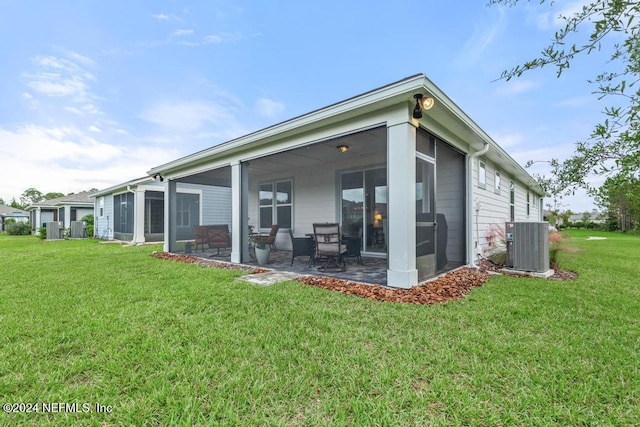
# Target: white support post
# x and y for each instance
(139, 214)
(401, 196)
(170, 216)
(237, 235)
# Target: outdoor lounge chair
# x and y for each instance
(219, 236)
(201, 236)
(329, 246)
(302, 246)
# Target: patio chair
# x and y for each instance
(302, 246)
(329, 246)
(201, 236)
(219, 236)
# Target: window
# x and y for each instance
(528, 204)
(496, 183)
(101, 206)
(187, 210)
(482, 175)
(512, 200)
(275, 204)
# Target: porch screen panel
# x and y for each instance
(123, 216)
(425, 218)
(154, 212)
(61, 214)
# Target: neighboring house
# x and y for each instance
(593, 216)
(421, 188)
(7, 212)
(62, 209)
(134, 211)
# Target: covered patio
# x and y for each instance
(373, 270)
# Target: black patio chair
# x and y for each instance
(302, 246)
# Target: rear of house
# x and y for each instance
(419, 187)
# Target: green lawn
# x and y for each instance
(166, 343)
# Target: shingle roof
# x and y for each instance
(6, 210)
(82, 197)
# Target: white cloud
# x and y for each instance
(182, 32)
(516, 86)
(268, 107)
(160, 17)
(508, 140)
(483, 35)
(574, 102)
(66, 159)
(181, 120)
(57, 77)
(552, 19)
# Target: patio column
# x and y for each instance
(401, 196)
(240, 221)
(170, 216)
(138, 216)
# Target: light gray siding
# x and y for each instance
(495, 208)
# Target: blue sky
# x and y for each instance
(96, 93)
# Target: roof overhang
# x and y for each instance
(122, 186)
(446, 116)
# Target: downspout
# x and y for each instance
(471, 243)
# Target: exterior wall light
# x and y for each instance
(343, 148)
(422, 103)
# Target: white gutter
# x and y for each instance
(470, 206)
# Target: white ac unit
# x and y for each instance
(527, 246)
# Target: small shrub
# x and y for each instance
(42, 233)
(496, 250)
(18, 228)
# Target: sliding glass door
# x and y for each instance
(364, 207)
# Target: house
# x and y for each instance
(134, 210)
(7, 212)
(401, 166)
(62, 209)
(594, 216)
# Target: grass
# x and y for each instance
(165, 343)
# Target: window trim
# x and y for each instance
(482, 177)
(497, 181)
(512, 200)
(274, 203)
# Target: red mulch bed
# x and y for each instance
(451, 286)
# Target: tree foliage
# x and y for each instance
(31, 196)
(619, 196)
(612, 26)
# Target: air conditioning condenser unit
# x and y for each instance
(527, 246)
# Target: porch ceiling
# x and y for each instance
(362, 145)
